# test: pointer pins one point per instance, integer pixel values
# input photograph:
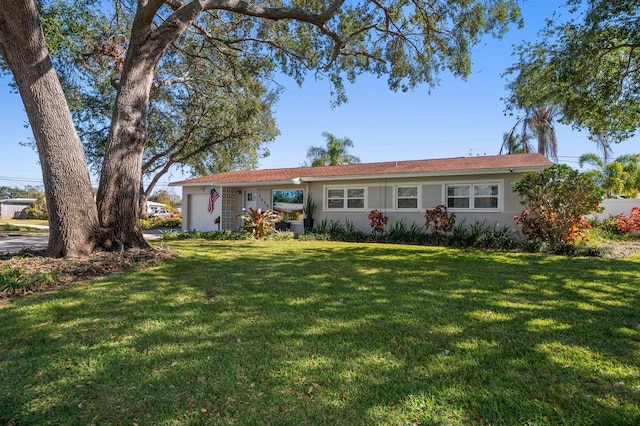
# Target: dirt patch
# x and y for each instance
(626, 249)
(65, 272)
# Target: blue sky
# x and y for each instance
(458, 118)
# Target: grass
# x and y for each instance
(14, 229)
(322, 333)
(23, 221)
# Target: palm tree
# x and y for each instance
(606, 175)
(514, 144)
(538, 123)
(334, 154)
(603, 143)
(618, 177)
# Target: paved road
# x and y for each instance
(14, 244)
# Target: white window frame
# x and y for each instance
(471, 197)
(418, 197)
(345, 198)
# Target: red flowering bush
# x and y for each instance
(378, 221)
(631, 223)
(439, 220)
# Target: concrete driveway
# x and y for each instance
(13, 244)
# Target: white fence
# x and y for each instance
(615, 206)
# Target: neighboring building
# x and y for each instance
(474, 188)
(14, 208)
(153, 207)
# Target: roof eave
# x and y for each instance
(447, 173)
(232, 184)
(507, 170)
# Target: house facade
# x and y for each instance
(474, 188)
(14, 208)
(153, 207)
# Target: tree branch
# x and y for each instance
(274, 13)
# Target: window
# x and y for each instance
(355, 198)
(288, 203)
(476, 196)
(458, 196)
(485, 196)
(407, 197)
(345, 198)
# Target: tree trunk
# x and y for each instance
(144, 197)
(119, 191)
(72, 212)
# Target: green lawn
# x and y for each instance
(13, 227)
(288, 333)
(23, 221)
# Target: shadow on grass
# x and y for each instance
(323, 333)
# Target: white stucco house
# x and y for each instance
(14, 208)
(475, 188)
(153, 207)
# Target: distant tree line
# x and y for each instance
(14, 192)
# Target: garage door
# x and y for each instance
(198, 218)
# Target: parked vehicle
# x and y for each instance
(161, 213)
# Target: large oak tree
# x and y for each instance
(585, 63)
(408, 41)
(207, 112)
(73, 219)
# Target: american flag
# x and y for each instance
(213, 196)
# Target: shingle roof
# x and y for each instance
(445, 166)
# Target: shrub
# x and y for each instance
(608, 228)
(331, 228)
(280, 236)
(353, 234)
(257, 222)
(602, 251)
(338, 232)
(399, 233)
(12, 280)
(439, 220)
(629, 224)
(207, 235)
(556, 200)
(161, 222)
(535, 246)
(16, 279)
(460, 235)
(314, 236)
(482, 235)
(565, 249)
(38, 209)
(495, 237)
(377, 222)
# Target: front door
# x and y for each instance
(250, 199)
